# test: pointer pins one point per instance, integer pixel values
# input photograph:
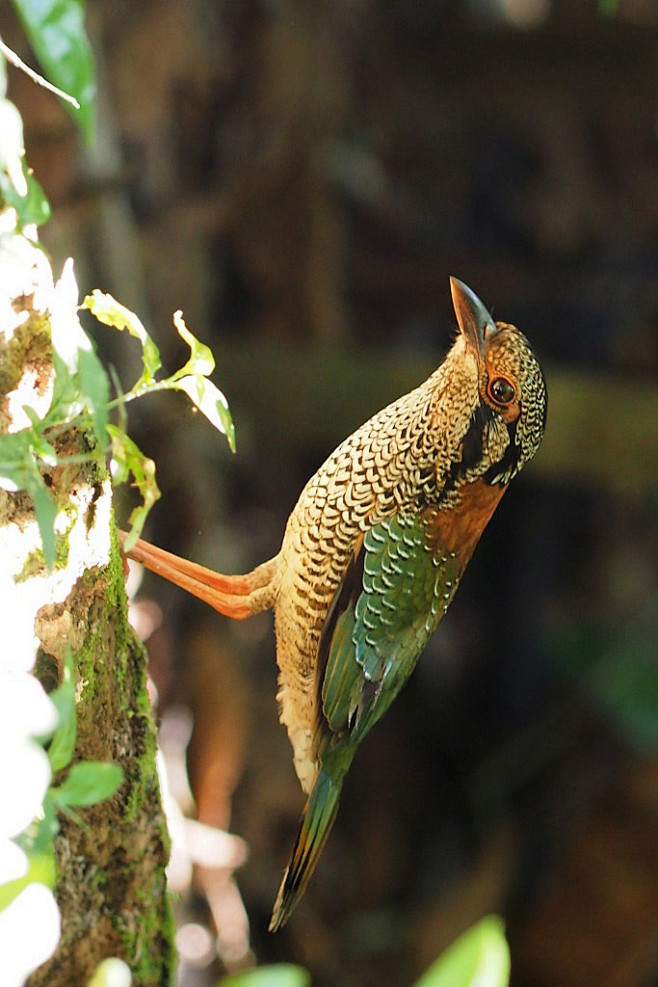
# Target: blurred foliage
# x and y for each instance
(479, 958)
(279, 975)
(619, 670)
(56, 30)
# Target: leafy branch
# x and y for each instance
(80, 400)
(192, 378)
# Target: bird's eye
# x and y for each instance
(501, 390)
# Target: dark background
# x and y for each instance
(301, 178)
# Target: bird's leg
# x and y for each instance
(235, 596)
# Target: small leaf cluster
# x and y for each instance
(192, 378)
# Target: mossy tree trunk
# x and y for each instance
(110, 885)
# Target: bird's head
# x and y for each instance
(508, 422)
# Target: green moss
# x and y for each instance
(130, 675)
(153, 919)
(147, 935)
(31, 343)
(111, 872)
(35, 562)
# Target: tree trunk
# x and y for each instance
(110, 883)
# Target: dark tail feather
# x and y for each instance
(317, 820)
(235, 596)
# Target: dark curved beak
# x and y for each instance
(474, 319)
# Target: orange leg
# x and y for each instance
(235, 596)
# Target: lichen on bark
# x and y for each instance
(111, 886)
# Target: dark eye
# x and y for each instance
(501, 390)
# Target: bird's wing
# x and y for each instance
(392, 596)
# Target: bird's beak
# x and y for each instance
(474, 319)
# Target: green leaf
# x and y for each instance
(60, 751)
(95, 388)
(33, 206)
(127, 458)
(15, 456)
(68, 336)
(66, 397)
(201, 359)
(62, 745)
(37, 206)
(44, 509)
(211, 402)
(87, 783)
(57, 34)
(39, 835)
(43, 450)
(278, 975)
(41, 868)
(479, 958)
(19, 471)
(192, 378)
(81, 382)
(112, 313)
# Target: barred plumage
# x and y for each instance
(374, 550)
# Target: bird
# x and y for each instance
(373, 553)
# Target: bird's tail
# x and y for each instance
(235, 596)
(318, 818)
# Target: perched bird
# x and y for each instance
(373, 553)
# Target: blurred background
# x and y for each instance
(301, 177)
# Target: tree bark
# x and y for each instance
(110, 884)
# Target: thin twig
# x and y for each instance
(18, 63)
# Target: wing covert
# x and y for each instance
(392, 597)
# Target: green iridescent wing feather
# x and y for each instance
(391, 600)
